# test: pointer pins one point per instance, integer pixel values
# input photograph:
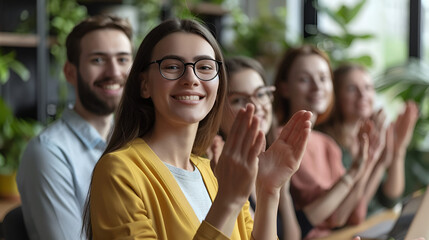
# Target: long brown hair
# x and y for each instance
(135, 116)
(282, 105)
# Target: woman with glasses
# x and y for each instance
(247, 85)
(151, 182)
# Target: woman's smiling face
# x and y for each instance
(309, 85)
(188, 99)
(247, 86)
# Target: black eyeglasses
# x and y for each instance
(174, 68)
(262, 95)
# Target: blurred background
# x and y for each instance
(389, 37)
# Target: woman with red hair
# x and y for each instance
(328, 195)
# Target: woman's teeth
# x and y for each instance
(192, 98)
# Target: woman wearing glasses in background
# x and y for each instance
(247, 85)
(151, 182)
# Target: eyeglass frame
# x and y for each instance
(159, 61)
(251, 98)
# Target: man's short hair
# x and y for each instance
(91, 24)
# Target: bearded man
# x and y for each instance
(56, 167)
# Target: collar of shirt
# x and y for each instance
(83, 130)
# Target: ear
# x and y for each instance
(70, 72)
(144, 90)
(284, 89)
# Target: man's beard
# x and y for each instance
(90, 101)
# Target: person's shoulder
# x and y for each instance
(57, 131)
(125, 155)
(54, 134)
(57, 138)
(126, 162)
(124, 152)
(112, 163)
(43, 153)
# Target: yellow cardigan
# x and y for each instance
(135, 196)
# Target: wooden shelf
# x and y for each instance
(8, 39)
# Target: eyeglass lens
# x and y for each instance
(204, 69)
(262, 96)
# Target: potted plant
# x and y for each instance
(14, 135)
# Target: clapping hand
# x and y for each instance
(404, 125)
(360, 158)
(237, 167)
(283, 157)
(377, 136)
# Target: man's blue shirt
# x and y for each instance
(54, 176)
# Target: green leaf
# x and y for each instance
(7, 63)
(4, 76)
(348, 14)
(334, 16)
(364, 36)
(342, 13)
(21, 70)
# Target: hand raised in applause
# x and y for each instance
(375, 133)
(360, 158)
(283, 157)
(387, 154)
(237, 167)
(377, 136)
(404, 126)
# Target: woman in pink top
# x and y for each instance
(329, 195)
